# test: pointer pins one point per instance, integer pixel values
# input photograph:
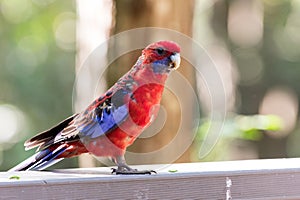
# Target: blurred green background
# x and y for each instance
(256, 43)
(37, 71)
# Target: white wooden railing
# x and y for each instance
(251, 179)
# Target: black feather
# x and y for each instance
(48, 135)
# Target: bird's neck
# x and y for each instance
(143, 73)
(147, 92)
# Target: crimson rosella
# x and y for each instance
(114, 120)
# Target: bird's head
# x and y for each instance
(163, 55)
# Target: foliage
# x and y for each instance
(37, 69)
(236, 128)
(37, 59)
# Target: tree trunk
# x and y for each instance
(93, 27)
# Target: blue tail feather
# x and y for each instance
(41, 160)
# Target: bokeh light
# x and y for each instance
(16, 11)
(283, 102)
(64, 29)
(12, 122)
(245, 22)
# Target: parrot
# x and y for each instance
(112, 121)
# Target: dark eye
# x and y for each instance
(160, 51)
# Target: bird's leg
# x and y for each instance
(123, 168)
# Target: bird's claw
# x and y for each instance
(132, 171)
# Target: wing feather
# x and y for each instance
(101, 117)
(47, 135)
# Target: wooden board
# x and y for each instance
(251, 179)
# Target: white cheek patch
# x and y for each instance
(176, 60)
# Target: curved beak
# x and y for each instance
(175, 58)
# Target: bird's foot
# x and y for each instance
(130, 171)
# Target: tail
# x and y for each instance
(51, 146)
(41, 160)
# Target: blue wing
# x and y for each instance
(110, 118)
(103, 119)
